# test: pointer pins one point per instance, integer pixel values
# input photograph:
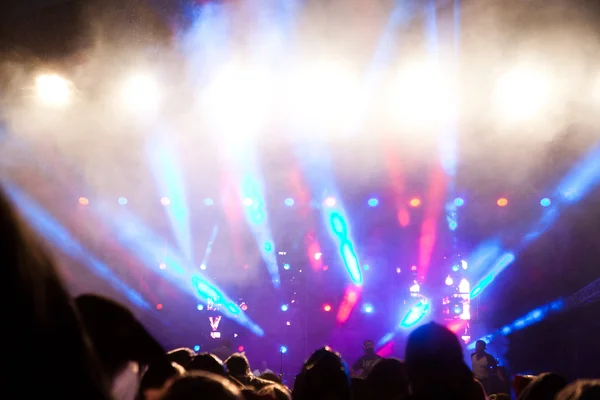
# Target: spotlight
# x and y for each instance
(248, 202)
(284, 307)
(162, 266)
(545, 202)
(240, 349)
(203, 267)
(196, 348)
(459, 202)
(165, 201)
(373, 202)
(140, 93)
(464, 264)
(159, 306)
(455, 268)
(286, 266)
(521, 93)
(368, 308)
(502, 202)
(122, 201)
(415, 202)
(457, 309)
(283, 349)
(53, 90)
(398, 270)
(327, 307)
(449, 280)
(318, 256)
(200, 307)
(244, 306)
(84, 201)
(208, 201)
(330, 202)
(268, 246)
(289, 202)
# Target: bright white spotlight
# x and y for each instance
(423, 96)
(53, 90)
(141, 93)
(324, 95)
(238, 98)
(521, 94)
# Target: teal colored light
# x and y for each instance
(373, 202)
(268, 246)
(545, 202)
(286, 266)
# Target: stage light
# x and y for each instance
(545, 202)
(502, 202)
(288, 323)
(200, 307)
(244, 306)
(196, 348)
(398, 270)
(84, 201)
(53, 90)
(413, 268)
(284, 307)
(464, 264)
(268, 246)
(449, 280)
(455, 268)
(459, 202)
(165, 201)
(318, 256)
(283, 349)
(240, 349)
(289, 202)
(415, 202)
(159, 306)
(457, 309)
(366, 267)
(140, 93)
(325, 267)
(122, 201)
(286, 266)
(521, 93)
(330, 202)
(162, 266)
(368, 308)
(327, 307)
(373, 202)
(464, 287)
(248, 202)
(202, 267)
(415, 288)
(208, 201)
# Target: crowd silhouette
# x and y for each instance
(93, 348)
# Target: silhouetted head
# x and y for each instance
(202, 385)
(158, 378)
(207, 362)
(544, 386)
(480, 346)
(581, 390)
(324, 376)
(276, 392)
(387, 380)
(271, 377)
(182, 356)
(238, 365)
(369, 347)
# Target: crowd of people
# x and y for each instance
(93, 348)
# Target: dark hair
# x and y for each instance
(201, 384)
(182, 356)
(387, 379)
(271, 377)
(544, 386)
(276, 392)
(584, 389)
(324, 376)
(207, 362)
(45, 337)
(237, 364)
(157, 374)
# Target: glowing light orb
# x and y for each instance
(283, 349)
(165, 201)
(330, 202)
(122, 201)
(373, 202)
(284, 307)
(286, 266)
(196, 348)
(545, 202)
(159, 306)
(318, 256)
(368, 308)
(84, 201)
(248, 202)
(200, 307)
(521, 93)
(289, 202)
(455, 268)
(162, 266)
(203, 267)
(141, 93)
(244, 306)
(53, 90)
(449, 280)
(502, 202)
(326, 308)
(415, 202)
(464, 264)
(240, 349)
(459, 202)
